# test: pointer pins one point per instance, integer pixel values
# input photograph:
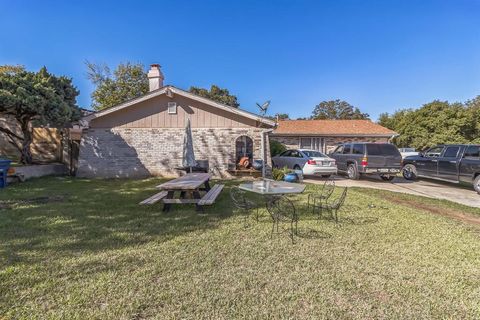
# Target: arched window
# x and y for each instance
(244, 148)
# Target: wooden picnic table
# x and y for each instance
(190, 184)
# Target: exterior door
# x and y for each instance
(448, 163)
(428, 164)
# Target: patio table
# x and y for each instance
(280, 208)
(191, 183)
(269, 187)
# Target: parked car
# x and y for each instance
(458, 163)
(311, 162)
(356, 159)
(407, 152)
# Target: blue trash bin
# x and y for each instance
(4, 166)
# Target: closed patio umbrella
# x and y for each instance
(188, 154)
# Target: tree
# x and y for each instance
(437, 122)
(276, 148)
(282, 116)
(337, 110)
(279, 116)
(217, 94)
(35, 98)
(128, 81)
(11, 69)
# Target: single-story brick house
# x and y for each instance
(324, 135)
(144, 136)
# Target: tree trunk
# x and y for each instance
(26, 157)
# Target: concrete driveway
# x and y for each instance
(427, 188)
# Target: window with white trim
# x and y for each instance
(172, 108)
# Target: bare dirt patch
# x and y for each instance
(447, 212)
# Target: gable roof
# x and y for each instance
(173, 90)
(332, 128)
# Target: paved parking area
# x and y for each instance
(427, 188)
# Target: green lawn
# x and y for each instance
(83, 249)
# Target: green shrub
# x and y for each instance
(279, 174)
(276, 148)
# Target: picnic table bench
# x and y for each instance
(188, 185)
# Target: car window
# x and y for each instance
(434, 152)
(285, 153)
(347, 149)
(451, 152)
(358, 149)
(382, 149)
(295, 154)
(472, 152)
(339, 149)
(313, 154)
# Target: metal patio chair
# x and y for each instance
(332, 206)
(241, 202)
(317, 199)
(282, 209)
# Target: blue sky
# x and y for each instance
(377, 55)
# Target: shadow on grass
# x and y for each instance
(92, 215)
(310, 233)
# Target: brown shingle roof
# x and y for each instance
(332, 127)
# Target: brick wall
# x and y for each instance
(330, 142)
(141, 152)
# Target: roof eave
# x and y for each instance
(380, 135)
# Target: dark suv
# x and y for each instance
(356, 159)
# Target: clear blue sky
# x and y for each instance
(377, 55)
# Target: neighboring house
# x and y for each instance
(144, 136)
(324, 135)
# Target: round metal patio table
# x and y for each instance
(273, 193)
(267, 187)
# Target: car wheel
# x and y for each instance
(409, 172)
(352, 172)
(296, 167)
(387, 177)
(326, 176)
(476, 184)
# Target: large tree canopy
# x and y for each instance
(436, 122)
(217, 94)
(12, 69)
(337, 110)
(35, 98)
(128, 81)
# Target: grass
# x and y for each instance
(84, 249)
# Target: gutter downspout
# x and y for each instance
(264, 153)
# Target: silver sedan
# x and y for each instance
(311, 162)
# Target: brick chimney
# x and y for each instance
(155, 77)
